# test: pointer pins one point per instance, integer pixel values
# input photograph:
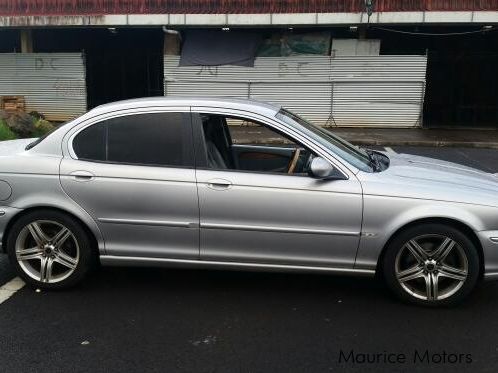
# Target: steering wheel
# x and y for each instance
(293, 161)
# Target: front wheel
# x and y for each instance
(432, 265)
(50, 249)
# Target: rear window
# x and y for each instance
(146, 139)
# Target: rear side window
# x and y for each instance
(90, 143)
(162, 139)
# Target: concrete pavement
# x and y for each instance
(467, 138)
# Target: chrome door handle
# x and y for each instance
(219, 184)
(82, 175)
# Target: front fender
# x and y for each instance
(384, 216)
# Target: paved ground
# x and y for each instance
(135, 320)
(477, 138)
(430, 137)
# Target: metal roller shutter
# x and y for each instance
(51, 83)
(378, 91)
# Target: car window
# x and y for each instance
(147, 139)
(235, 143)
(90, 143)
(247, 132)
(352, 154)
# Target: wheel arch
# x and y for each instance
(467, 230)
(91, 234)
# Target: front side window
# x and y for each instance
(161, 139)
(241, 144)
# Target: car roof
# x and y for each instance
(229, 103)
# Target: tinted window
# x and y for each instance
(90, 143)
(148, 139)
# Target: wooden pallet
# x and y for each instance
(12, 103)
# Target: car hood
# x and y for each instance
(12, 147)
(427, 178)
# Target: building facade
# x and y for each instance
(405, 63)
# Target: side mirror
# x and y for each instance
(322, 169)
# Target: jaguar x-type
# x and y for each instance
(238, 184)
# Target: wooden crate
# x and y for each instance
(12, 103)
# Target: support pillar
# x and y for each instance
(26, 41)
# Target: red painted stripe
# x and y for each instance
(100, 7)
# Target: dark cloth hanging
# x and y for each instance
(217, 47)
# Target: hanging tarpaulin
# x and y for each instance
(217, 47)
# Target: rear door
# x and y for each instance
(134, 175)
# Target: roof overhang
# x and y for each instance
(248, 20)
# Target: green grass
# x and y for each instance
(37, 133)
(42, 127)
(5, 132)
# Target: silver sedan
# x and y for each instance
(237, 184)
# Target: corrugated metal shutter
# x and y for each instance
(51, 83)
(343, 91)
(377, 104)
(208, 89)
(311, 100)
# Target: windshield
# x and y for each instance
(350, 153)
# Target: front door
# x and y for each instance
(134, 175)
(258, 204)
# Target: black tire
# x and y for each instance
(87, 257)
(464, 246)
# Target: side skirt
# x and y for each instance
(129, 261)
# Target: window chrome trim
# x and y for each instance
(73, 132)
(343, 167)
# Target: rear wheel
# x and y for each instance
(50, 249)
(431, 265)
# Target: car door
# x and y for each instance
(134, 175)
(266, 217)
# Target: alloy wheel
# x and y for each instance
(47, 251)
(431, 267)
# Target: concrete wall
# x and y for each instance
(268, 19)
